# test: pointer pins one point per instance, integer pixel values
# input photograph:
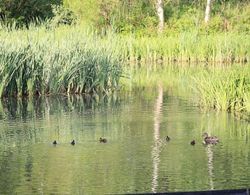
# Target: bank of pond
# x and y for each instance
(41, 61)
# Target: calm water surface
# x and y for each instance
(136, 158)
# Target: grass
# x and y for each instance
(75, 60)
(224, 88)
(41, 62)
(190, 47)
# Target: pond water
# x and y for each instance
(136, 157)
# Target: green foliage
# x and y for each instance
(22, 12)
(128, 16)
(62, 16)
(135, 16)
(90, 12)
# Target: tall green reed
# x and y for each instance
(76, 60)
(221, 88)
(38, 61)
(224, 88)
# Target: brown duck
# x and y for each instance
(210, 139)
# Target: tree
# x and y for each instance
(207, 12)
(160, 12)
(22, 12)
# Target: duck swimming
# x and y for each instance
(73, 142)
(192, 142)
(210, 139)
(167, 138)
(54, 142)
(103, 140)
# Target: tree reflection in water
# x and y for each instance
(157, 141)
(209, 152)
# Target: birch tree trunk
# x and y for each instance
(160, 12)
(207, 12)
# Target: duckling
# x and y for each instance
(73, 142)
(103, 140)
(192, 142)
(210, 139)
(54, 142)
(167, 138)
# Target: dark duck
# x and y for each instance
(73, 142)
(167, 138)
(192, 142)
(103, 140)
(210, 139)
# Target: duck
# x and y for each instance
(54, 142)
(167, 138)
(192, 142)
(73, 142)
(210, 139)
(103, 140)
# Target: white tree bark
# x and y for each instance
(207, 12)
(160, 12)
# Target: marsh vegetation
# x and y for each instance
(128, 74)
(70, 60)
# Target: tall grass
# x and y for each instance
(41, 62)
(76, 60)
(224, 88)
(190, 47)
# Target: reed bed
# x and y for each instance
(77, 60)
(188, 47)
(225, 88)
(193, 46)
(41, 62)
